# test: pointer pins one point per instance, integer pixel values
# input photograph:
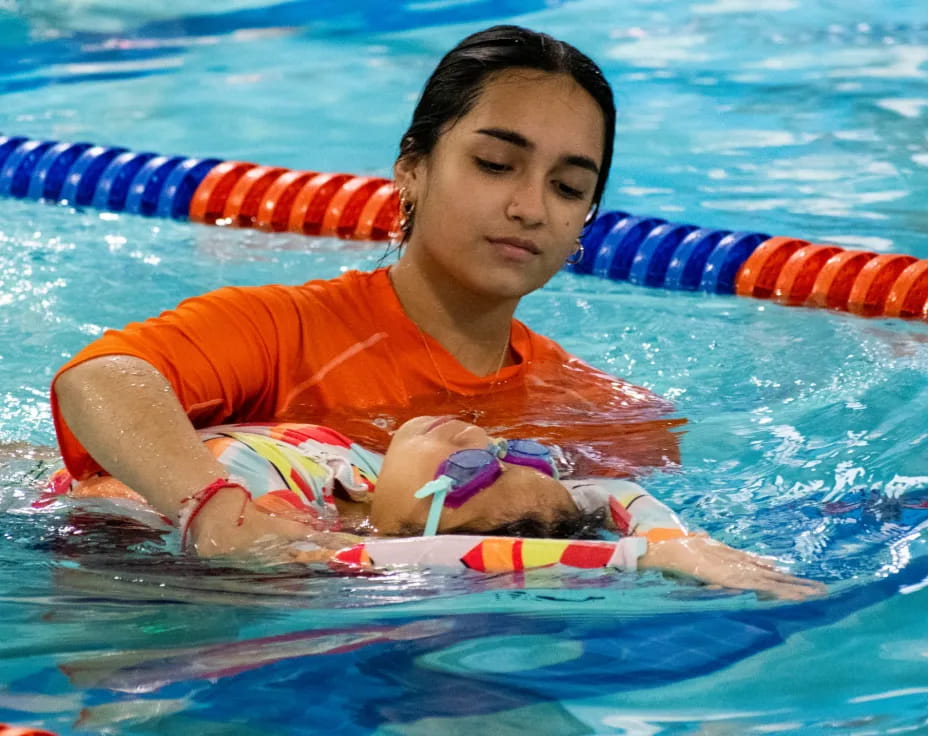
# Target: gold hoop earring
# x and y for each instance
(577, 256)
(407, 210)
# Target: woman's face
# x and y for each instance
(416, 451)
(501, 199)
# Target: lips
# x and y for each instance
(439, 421)
(527, 245)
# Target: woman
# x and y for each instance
(505, 161)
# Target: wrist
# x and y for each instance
(222, 502)
(671, 553)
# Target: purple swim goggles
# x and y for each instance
(465, 473)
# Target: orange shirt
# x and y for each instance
(343, 353)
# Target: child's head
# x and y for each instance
(522, 500)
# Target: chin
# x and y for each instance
(509, 283)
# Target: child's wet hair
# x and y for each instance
(565, 524)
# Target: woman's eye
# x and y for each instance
(568, 191)
(491, 166)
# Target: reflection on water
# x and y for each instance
(106, 629)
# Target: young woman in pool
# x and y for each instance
(504, 162)
(440, 475)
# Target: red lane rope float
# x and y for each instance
(274, 208)
(379, 215)
(758, 275)
(241, 206)
(794, 284)
(909, 295)
(310, 204)
(797, 273)
(209, 199)
(344, 209)
(833, 285)
(874, 282)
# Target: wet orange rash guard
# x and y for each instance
(342, 353)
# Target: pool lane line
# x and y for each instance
(619, 246)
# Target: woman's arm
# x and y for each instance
(129, 419)
(671, 548)
(717, 564)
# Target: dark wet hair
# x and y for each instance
(456, 83)
(564, 525)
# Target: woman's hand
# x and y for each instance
(264, 537)
(231, 525)
(320, 547)
(718, 564)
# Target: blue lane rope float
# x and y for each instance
(81, 180)
(689, 259)
(649, 266)
(647, 251)
(49, 174)
(180, 184)
(616, 251)
(726, 259)
(14, 177)
(111, 189)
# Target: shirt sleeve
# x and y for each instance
(218, 351)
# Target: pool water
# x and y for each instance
(796, 119)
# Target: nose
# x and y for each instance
(527, 202)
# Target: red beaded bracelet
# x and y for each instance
(188, 513)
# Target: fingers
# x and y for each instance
(252, 535)
(779, 580)
(773, 581)
(793, 591)
(308, 556)
(723, 565)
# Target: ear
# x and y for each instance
(409, 174)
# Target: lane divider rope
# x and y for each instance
(648, 251)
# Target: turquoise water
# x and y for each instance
(806, 121)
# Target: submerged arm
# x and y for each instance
(672, 548)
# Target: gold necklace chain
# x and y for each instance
(441, 376)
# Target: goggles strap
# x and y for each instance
(437, 489)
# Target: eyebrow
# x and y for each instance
(517, 139)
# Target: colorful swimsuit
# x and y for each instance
(294, 466)
(286, 467)
(290, 467)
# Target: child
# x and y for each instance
(439, 475)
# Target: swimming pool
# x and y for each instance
(802, 121)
